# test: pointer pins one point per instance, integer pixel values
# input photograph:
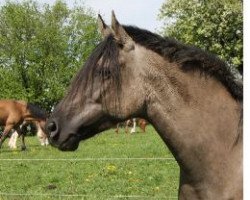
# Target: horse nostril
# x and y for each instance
(52, 126)
(53, 130)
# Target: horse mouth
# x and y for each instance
(71, 144)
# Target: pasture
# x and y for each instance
(108, 166)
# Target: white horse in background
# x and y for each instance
(133, 130)
(142, 123)
(40, 134)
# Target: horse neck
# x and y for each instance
(195, 116)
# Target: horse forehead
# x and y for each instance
(102, 62)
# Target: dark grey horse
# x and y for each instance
(189, 96)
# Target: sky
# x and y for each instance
(142, 13)
(130, 12)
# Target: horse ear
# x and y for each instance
(120, 34)
(103, 28)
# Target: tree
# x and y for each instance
(216, 26)
(42, 48)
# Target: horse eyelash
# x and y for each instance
(104, 73)
(120, 45)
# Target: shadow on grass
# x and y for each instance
(30, 147)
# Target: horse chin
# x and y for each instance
(71, 144)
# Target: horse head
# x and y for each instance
(108, 89)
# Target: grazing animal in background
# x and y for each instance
(142, 123)
(190, 97)
(42, 137)
(13, 113)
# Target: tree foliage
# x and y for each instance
(41, 48)
(214, 25)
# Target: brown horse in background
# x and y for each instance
(42, 137)
(13, 113)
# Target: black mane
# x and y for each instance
(107, 67)
(189, 57)
(36, 111)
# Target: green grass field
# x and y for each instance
(67, 175)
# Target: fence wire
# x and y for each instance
(81, 195)
(84, 159)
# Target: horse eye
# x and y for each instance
(105, 73)
(120, 45)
